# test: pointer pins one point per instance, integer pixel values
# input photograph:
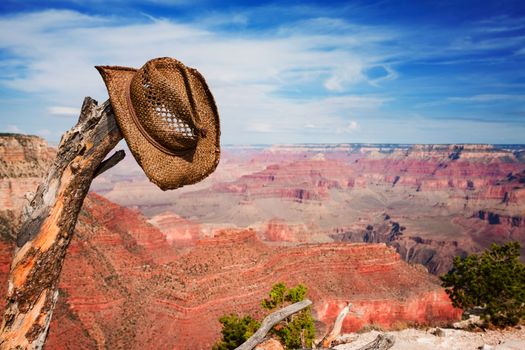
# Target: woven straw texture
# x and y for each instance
(169, 119)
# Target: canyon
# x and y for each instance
(430, 202)
(149, 277)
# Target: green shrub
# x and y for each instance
(297, 330)
(276, 297)
(294, 332)
(493, 281)
(235, 331)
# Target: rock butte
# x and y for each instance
(124, 285)
(430, 202)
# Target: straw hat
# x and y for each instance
(169, 120)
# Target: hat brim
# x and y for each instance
(167, 171)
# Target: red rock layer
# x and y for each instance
(179, 231)
(322, 193)
(304, 180)
(431, 307)
(233, 272)
(312, 179)
(124, 287)
(23, 162)
(108, 268)
(279, 231)
(24, 156)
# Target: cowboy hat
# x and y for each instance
(169, 119)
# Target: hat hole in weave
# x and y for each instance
(169, 118)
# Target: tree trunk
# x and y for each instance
(270, 321)
(336, 330)
(49, 222)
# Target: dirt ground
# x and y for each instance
(448, 339)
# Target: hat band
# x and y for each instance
(144, 133)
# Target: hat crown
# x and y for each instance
(161, 97)
(168, 117)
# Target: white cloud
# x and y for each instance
(14, 129)
(473, 99)
(348, 74)
(302, 81)
(248, 75)
(488, 98)
(349, 128)
(500, 24)
(63, 111)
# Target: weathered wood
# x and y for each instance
(110, 162)
(48, 224)
(336, 330)
(270, 321)
(381, 342)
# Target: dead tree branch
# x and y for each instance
(48, 225)
(270, 321)
(336, 330)
(381, 342)
(110, 162)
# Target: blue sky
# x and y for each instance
(284, 71)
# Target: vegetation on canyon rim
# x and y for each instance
(296, 331)
(235, 331)
(494, 281)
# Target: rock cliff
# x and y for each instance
(23, 162)
(451, 199)
(125, 286)
(179, 232)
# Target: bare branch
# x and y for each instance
(336, 330)
(110, 162)
(270, 321)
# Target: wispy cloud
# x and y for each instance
(488, 98)
(499, 24)
(55, 52)
(314, 77)
(350, 128)
(14, 129)
(63, 111)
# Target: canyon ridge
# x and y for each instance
(429, 202)
(355, 223)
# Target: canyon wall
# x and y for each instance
(123, 287)
(23, 162)
(127, 285)
(450, 199)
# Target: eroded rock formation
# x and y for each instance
(23, 162)
(123, 285)
(450, 199)
(119, 295)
